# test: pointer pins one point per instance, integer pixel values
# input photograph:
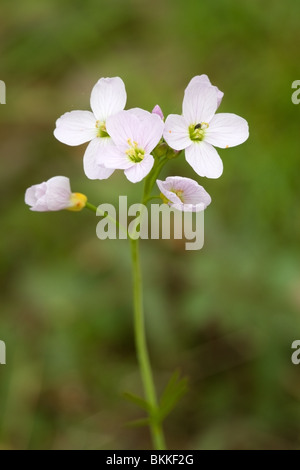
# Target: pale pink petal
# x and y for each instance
(76, 127)
(204, 80)
(176, 132)
(193, 198)
(52, 195)
(165, 188)
(204, 159)
(199, 103)
(122, 127)
(95, 153)
(58, 193)
(139, 113)
(115, 158)
(135, 125)
(139, 170)
(157, 110)
(108, 97)
(35, 196)
(34, 193)
(150, 132)
(227, 130)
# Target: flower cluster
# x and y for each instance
(140, 142)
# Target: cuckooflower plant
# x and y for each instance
(140, 143)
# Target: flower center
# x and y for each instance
(197, 131)
(178, 192)
(134, 152)
(102, 132)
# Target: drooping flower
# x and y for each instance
(157, 110)
(54, 195)
(199, 129)
(108, 97)
(135, 133)
(183, 194)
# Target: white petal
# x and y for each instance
(115, 158)
(193, 196)
(136, 125)
(176, 132)
(204, 80)
(76, 128)
(165, 188)
(58, 193)
(35, 192)
(150, 132)
(139, 170)
(199, 103)
(108, 97)
(204, 159)
(97, 151)
(227, 130)
(139, 113)
(122, 127)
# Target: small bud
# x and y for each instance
(161, 150)
(157, 110)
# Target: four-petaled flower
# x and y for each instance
(199, 128)
(78, 127)
(183, 194)
(135, 134)
(54, 195)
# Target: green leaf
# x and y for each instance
(176, 388)
(137, 423)
(140, 402)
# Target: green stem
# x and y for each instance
(142, 351)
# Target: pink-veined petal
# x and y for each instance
(58, 193)
(204, 80)
(135, 125)
(76, 128)
(108, 97)
(139, 113)
(95, 152)
(227, 130)
(115, 158)
(204, 159)
(193, 197)
(176, 132)
(199, 103)
(139, 170)
(123, 127)
(150, 132)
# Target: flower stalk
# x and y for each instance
(142, 351)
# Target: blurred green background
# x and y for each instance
(226, 315)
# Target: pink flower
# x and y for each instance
(184, 194)
(199, 128)
(135, 133)
(54, 195)
(77, 127)
(157, 110)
